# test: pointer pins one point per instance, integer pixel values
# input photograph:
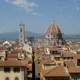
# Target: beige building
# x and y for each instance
(2, 55)
(13, 69)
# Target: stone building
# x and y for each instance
(12, 69)
(52, 37)
(21, 33)
(13, 65)
(23, 41)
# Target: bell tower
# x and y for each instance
(21, 33)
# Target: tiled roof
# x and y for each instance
(74, 69)
(47, 61)
(57, 71)
(77, 56)
(69, 63)
(53, 28)
(68, 55)
(13, 54)
(13, 62)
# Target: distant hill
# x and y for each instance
(75, 37)
(15, 35)
(8, 36)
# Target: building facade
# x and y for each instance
(52, 37)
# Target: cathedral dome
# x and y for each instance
(53, 28)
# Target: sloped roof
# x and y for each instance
(74, 69)
(13, 54)
(13, 62)
(57, 71)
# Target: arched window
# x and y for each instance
(16, 78)
(7, 78)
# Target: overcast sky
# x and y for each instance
(38, 14)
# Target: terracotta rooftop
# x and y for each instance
(69, 55)
(13, 62)
(69, 63)
(78, 56)
(53, 28)
(57, 71)
(74, 69)
(13, 54)
(47, 61)
(54, 48)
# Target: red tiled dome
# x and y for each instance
(53, 28)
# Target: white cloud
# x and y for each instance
(35, 13)
(25, 4)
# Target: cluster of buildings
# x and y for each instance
(46, 57)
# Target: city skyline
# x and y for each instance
(38, 14)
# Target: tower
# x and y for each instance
(21, 33)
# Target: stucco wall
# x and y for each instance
(11, 74)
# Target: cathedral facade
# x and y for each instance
(52, 37)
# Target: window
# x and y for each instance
(65, 64)
(38, 74)
(7, 69)
(7, 78)
(0, 57)
(16, 69)
(48, 35)
(16, 78)
(57, 58)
